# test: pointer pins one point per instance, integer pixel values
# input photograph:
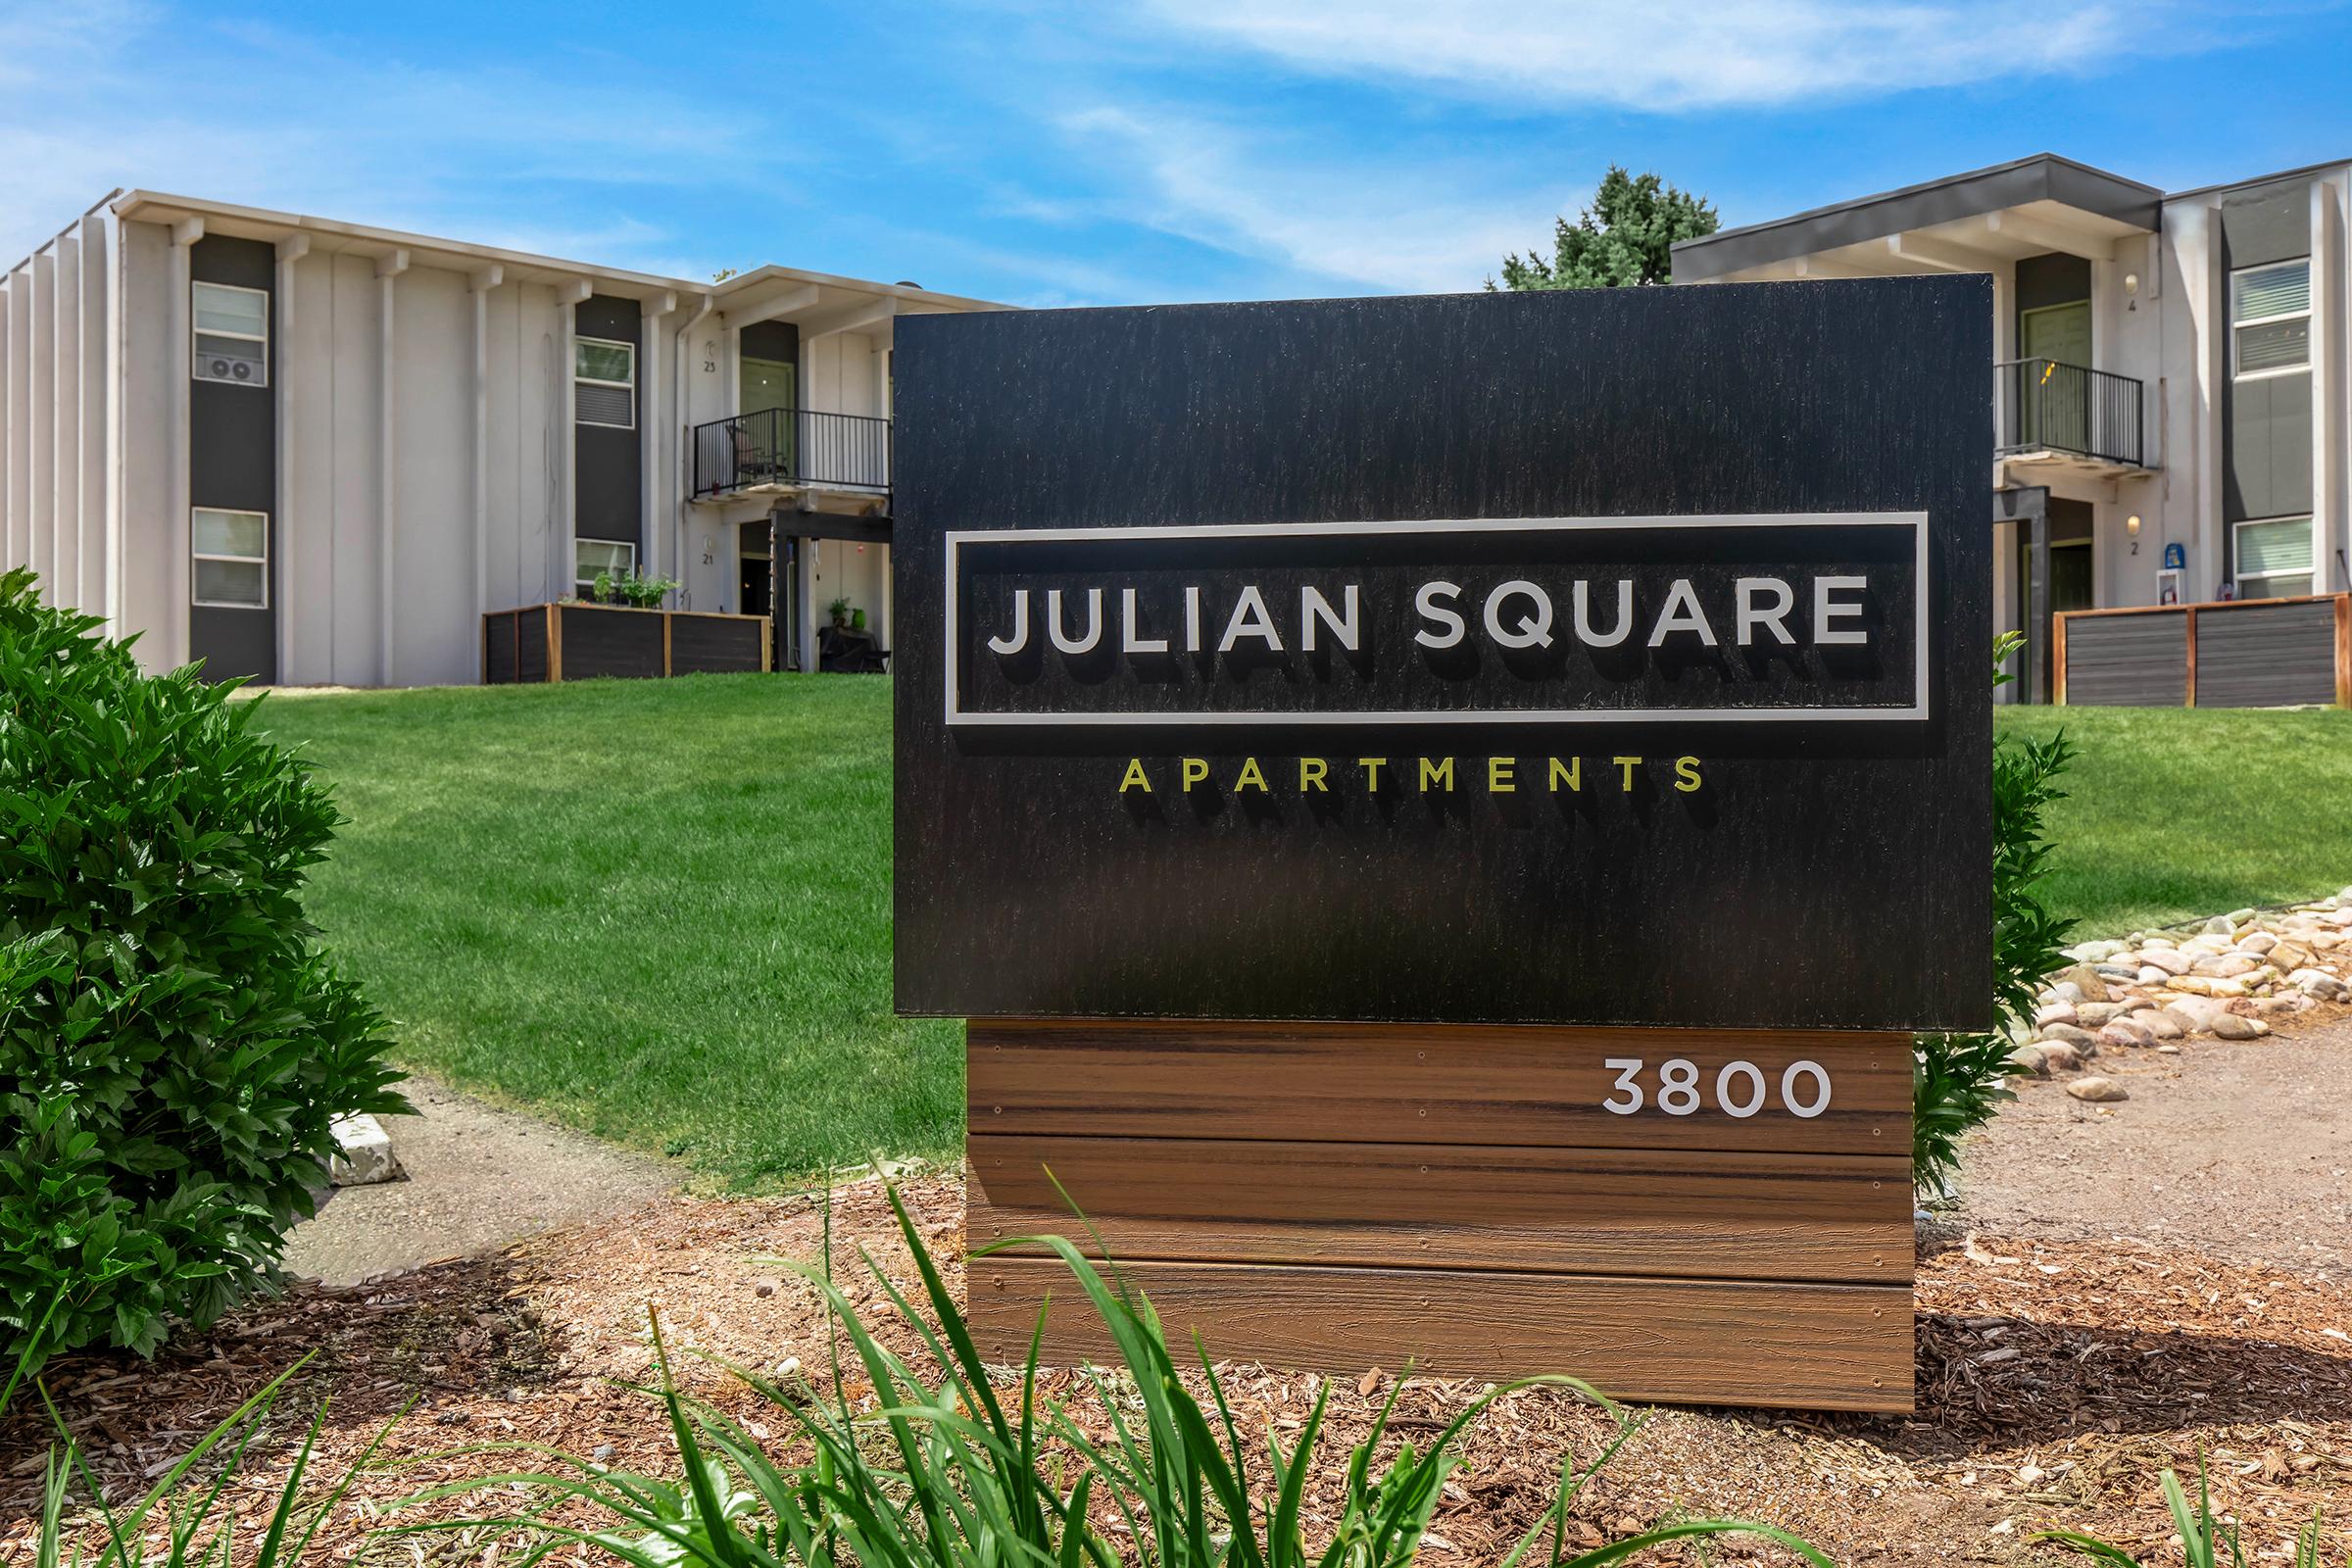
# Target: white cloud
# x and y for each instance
(1358, 223)
(331, 129)
(1648, 54)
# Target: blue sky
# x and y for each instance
(1048, 153)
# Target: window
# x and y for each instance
(2270, 319)
(2274, 558)
(592, 556)
(603, 377)
(233, 334)
(230, 554)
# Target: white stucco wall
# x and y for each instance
(458, 480)
(144, 448)
(437, 625)
(55, 344)
(16, 451)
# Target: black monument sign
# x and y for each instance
(1582, 657)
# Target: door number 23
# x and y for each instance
(1740, 1088)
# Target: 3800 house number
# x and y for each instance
(1741, 1088)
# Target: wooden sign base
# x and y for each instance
(1674, 1215)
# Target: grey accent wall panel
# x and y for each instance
(2265, 452)
(232, 463)
(2267, 656)
(2270, 225)
(2269, 472)
(2127, 661)
(607, 463)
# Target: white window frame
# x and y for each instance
(579, 585)
(2238, 574)
(195, 555)
(2236, 323)
(629, 386)
(195, 331)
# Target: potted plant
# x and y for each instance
(646, 593)
(839, 609)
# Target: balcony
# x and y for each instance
(791, 450)
(2062, 415)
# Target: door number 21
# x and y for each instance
(1740, 1088)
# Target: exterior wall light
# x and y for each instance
(2132, 531)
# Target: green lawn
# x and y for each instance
(657, 909)
(661, 910)
(2174, 814)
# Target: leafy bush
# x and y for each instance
(1958, 1081)
(173, 1043)
(950, 1475)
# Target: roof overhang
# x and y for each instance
(1966, 222)
(817, 292)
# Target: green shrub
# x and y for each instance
(1958, 1081)
(949, 1473)
(173, 1043)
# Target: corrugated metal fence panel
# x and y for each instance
(713, 643)
(620, 643)
(2127, 661)
(530, 655)
(2264, 656)
(498, 649)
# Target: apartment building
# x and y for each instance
(314, 452)
(2168, 382)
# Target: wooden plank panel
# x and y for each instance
(2058, 660)
(1811, 1347)
(1425, 1084)
(1436, 1206)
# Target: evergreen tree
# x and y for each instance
(1624, 238)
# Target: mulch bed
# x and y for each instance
(2052, 1382)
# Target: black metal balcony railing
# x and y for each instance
(791, 446)
(2046, 404)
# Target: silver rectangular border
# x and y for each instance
(1916, 712)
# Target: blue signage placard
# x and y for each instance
(2176, 556)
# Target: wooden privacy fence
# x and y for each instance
(2251, 653)
(576, 642)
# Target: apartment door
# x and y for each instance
(757, 581)
(2071, 581)
(2055, 399)
(755, 585)
(768, 392)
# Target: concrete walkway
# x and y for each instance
(479, 1178)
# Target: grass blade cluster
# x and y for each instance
(197, 1529)
(978, 1468)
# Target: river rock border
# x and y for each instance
(2230, 978)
